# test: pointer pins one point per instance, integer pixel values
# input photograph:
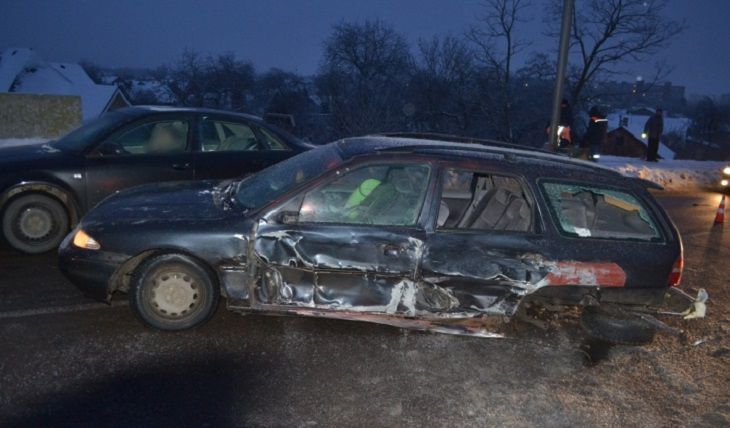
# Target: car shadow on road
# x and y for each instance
(192, 393)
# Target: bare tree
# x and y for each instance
(364, 74)
(497, 43)
(607, 34)
(444, 86)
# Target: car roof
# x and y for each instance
(351, 147)
(146, 109)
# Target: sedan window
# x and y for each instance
(158, 138)
(221, 136)
(587, 211)
(379, 195)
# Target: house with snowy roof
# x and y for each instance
(25, 72)
(625, 129)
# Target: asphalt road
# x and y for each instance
(65, 361)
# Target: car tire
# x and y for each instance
(173, 292)
(617, 327)
(35, 223)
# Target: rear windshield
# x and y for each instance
(588, 211)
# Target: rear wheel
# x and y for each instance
(173, 292)
(617, 327)
(35, 223)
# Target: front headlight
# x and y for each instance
(724, 182)
(83, 240)
(726, 170)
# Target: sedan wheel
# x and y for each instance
(173, 292)
(35, 223)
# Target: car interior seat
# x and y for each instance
(167, 138)
(481, 188)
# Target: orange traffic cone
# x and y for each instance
(720, 216)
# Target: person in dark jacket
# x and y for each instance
(595, 134)
(653, 130)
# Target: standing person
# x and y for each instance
(565, 135)
(595, 135)
(653, 130)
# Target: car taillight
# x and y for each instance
(675, 277)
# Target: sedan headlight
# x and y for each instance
(726, 170)
(724, 182)
(83, 240)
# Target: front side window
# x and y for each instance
(377, 195)
(588, 211)
(152, 138)
(481, 201)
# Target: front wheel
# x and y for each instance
(173, 292)
(35, 223)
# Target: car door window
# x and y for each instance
(272, 141)
(589, 211)
(377, 194)
(226, 136)
(481, 201)
(160, 137)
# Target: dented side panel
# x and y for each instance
(336, 267)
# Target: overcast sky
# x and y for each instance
(289, 33)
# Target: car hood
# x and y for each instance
(13, 155)
(161, 203)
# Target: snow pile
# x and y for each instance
(21, 142)
(674, 174)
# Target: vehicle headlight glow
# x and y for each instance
(83, 240)
(724, 182)
(726, 170)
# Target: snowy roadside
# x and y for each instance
(21, 141)
(671, 174)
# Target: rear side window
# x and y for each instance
(588, 211)
(481, 201)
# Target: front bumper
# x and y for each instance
(89, 270)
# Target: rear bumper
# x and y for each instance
(665, 300)
(89, 270)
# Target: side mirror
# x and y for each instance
(287, 217)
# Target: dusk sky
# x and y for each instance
(289, 34)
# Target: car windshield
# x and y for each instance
(81, 137)
(257, 190)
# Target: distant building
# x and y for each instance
(629, 95)
(23, 71)
(625, 128)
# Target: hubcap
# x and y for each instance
(35, 223)
(174, 294)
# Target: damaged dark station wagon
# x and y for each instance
(420, 234)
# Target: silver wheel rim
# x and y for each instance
(35, 223)
(174, 294)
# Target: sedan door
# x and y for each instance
(351, 244)
(232, 147)
(149, 151)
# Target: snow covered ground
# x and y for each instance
(21, 142)
(671, 174)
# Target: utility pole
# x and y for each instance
(560, 76)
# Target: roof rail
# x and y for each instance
(462, 139)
